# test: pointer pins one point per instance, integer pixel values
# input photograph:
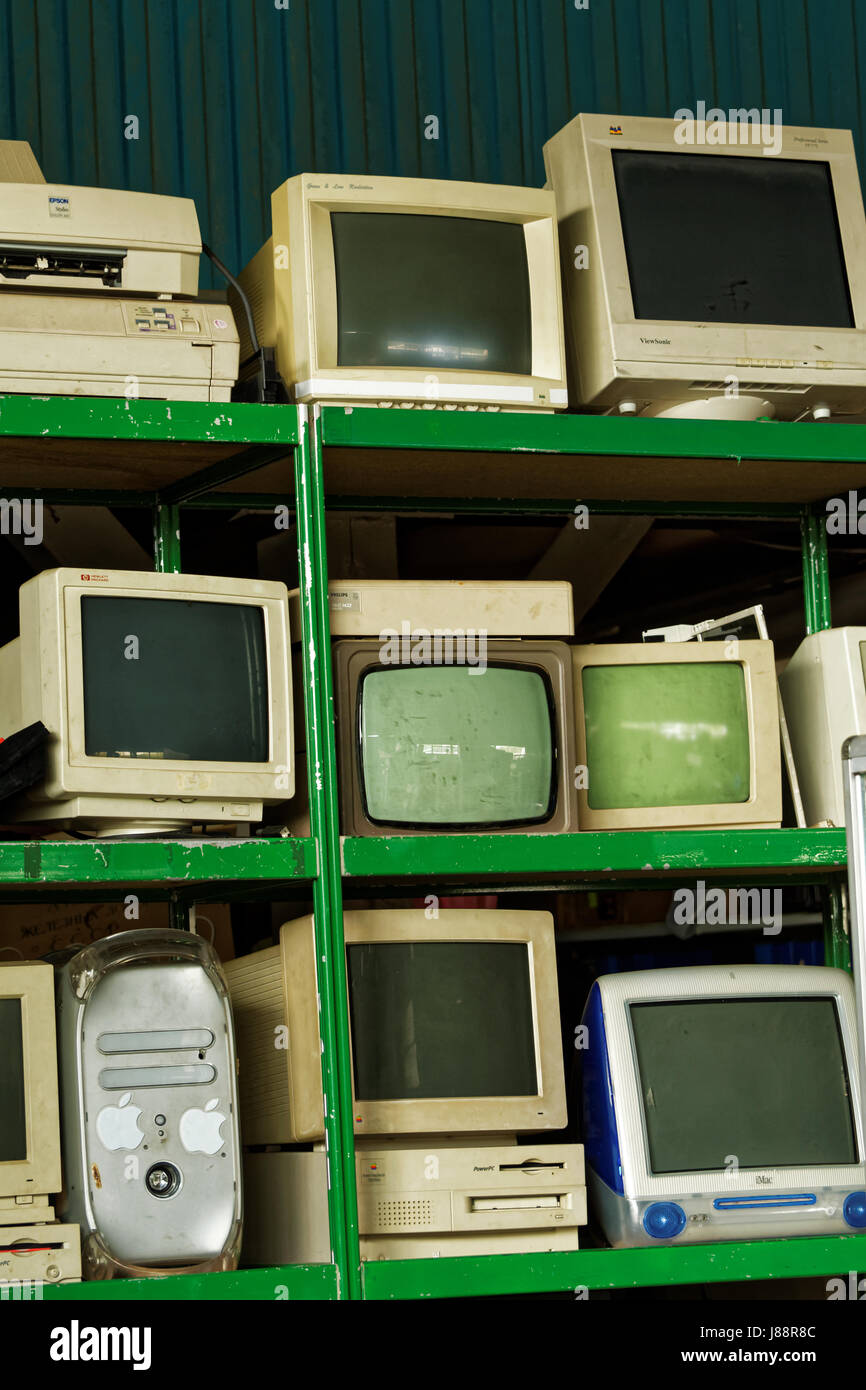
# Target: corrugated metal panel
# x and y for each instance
(233, 96)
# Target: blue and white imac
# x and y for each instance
(722, 1103)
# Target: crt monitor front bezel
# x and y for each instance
(465, 1115)
(608, 344)
(301, 217)
(355, 658)
(764, 805)
(619, 992)
(38, 1175)
(51, 643)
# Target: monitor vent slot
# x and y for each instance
(749, 387)
(402, 1212)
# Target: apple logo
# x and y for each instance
(117, 1125)
(200, 1129)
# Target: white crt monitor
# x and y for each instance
(454, 1026)
(824, 694)
(722, 1103)
(412, 292)
(676, 735)
(29, 1107)
(724, 270)
(167, 698)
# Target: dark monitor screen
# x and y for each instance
(441, 1020)
(175, 679)
(762, 1081)
(13, 1105)
(439, 293)
(732, 239)
(457, 745)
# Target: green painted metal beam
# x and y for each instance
(86, 417)
(225, 471)
(582, 1270)
(680, 852)
(25, 863)
(563, 506)
(294, 1282)
(517, 432)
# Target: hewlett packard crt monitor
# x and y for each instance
(712, 267)
(388, 291)
(722, 1103)
(677, 734)
(166, 698)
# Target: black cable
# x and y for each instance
(226, 273)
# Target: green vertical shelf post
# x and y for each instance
(816, 568)
(166, 538)
(837, 941)
(327, 887)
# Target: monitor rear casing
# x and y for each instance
(824, 694)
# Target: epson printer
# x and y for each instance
(98, 293)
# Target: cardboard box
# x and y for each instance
(33, 930)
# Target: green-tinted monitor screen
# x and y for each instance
(760, 1080)
(175, 679)
(13, 1107)
(667, 735)
(456, 745)
(441, 1020)
(436, 293)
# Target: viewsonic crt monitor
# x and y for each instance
(677, 735)
(458, 715)
(824, 693)
(167, 698)
(454, 1027)
(32, 1245)
(722, 1103)
(713, 268)
(411, 292)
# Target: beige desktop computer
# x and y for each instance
(824, 693)
(712, 269)
(33, 1246)
(456, 1050)
(411, 293)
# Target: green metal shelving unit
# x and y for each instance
(173, 457)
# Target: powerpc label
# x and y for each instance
(58, 207)
(344, 600)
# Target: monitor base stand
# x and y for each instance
(712, 408)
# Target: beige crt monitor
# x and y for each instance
(824, 694)
(411, 292)
(677, 735)
(662, 315)
(274, 989)
(32, 1245)
(167, 699)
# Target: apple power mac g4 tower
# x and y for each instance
(149, 1106)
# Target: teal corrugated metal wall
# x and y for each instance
(233, 96)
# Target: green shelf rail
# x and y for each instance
(172, 457)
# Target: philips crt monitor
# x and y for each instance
(456, 1048)
(455, 710)
(166, 697)
(149, 1105)
(32, 1245)
(388, 291)
(824, 693)
(677, 735)
(721, 274)
(722, 1103)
